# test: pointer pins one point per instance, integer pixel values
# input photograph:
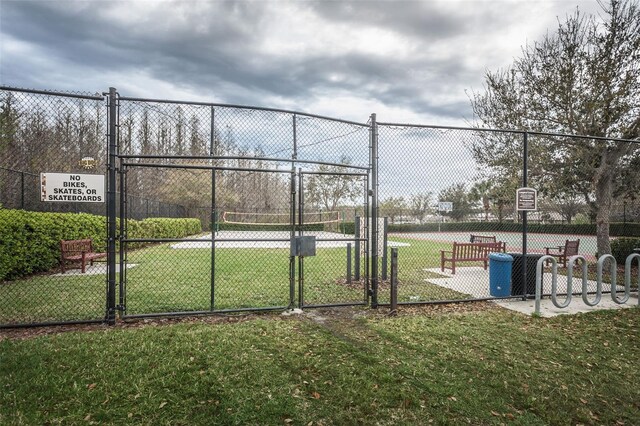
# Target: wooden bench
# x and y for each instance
(78, 251)
(482, 238)
(469, 252)
(569, 249)
(487, 239)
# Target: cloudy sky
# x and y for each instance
(407, 61)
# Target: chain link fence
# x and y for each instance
(277, 207)
(445, 189)
(47, 132)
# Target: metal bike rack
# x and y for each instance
(554, 279)
(585, 286)
(585, 298)
(613, 270)
(627, 274)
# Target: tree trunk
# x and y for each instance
(603, 188)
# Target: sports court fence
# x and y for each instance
(444, 184)
(278, 193)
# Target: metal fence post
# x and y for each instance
(525, 153)
(22, 190)
(356, 254)
(212, 152)
(292, 216)
(394, 280)
(348, 263)
(385, 256)
(300, 233)
(374, 212)
(111, 209)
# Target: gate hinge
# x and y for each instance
(120, 308)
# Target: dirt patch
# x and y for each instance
(359, 284)
(319, 315)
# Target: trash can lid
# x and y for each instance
(501, 257)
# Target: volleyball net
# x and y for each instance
(278, 219)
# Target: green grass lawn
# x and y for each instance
(174, 280)
(425, 367)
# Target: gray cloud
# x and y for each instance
(424, 20)
(218, 49)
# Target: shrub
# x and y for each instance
(30, 241)
(621, 248)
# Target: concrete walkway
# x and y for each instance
(95, 269)
(474, 281)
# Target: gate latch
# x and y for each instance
(303, 246)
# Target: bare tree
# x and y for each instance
(329, 189)
(419, 205)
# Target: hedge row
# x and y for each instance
(615, 229)
(163, 228)
(30, 241)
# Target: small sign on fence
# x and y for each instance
(445, 206)
(72, 187)
(526, 199)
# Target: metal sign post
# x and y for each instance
(444, 207)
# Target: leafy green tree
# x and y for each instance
(481, 191)
(459, 196)
(584, 79)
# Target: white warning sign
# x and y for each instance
(72, 188)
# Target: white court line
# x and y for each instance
(265, 235)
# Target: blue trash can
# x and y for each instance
(500, 274)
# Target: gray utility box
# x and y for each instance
(303, 246)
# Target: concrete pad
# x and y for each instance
(95, 269)
(548, 309)
(474, 281)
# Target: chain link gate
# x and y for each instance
(254, 210)
(327, 278)
(248, 261)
